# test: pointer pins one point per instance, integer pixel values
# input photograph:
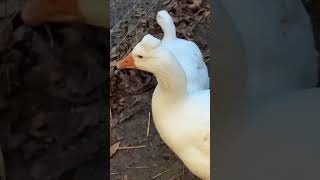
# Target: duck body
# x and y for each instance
(189, 56)
(187, 53)
(185, 127)
(182, 118)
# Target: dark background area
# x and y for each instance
(53, 101)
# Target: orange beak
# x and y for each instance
(126, 63)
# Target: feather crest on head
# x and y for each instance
(149, 42)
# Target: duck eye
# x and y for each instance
(139, 56)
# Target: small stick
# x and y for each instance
(198, 21)
(179, 175)
(132, 147)
(154, 177)
(148, 129)
(138, 167)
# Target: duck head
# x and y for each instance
(148, 56)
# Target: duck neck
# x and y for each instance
(169, 30)
(172, 82)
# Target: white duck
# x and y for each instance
(187, 53)
(181, 118)
(93, 12)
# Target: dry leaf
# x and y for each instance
(114, 148)
(195, 4)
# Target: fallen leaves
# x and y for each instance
(195, 4)
(114, 148)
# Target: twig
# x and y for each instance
(158, 175)
(138, 167)
(179, 175)
(133, 7)
(199, 20)
(148, 128)
(132, 147)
